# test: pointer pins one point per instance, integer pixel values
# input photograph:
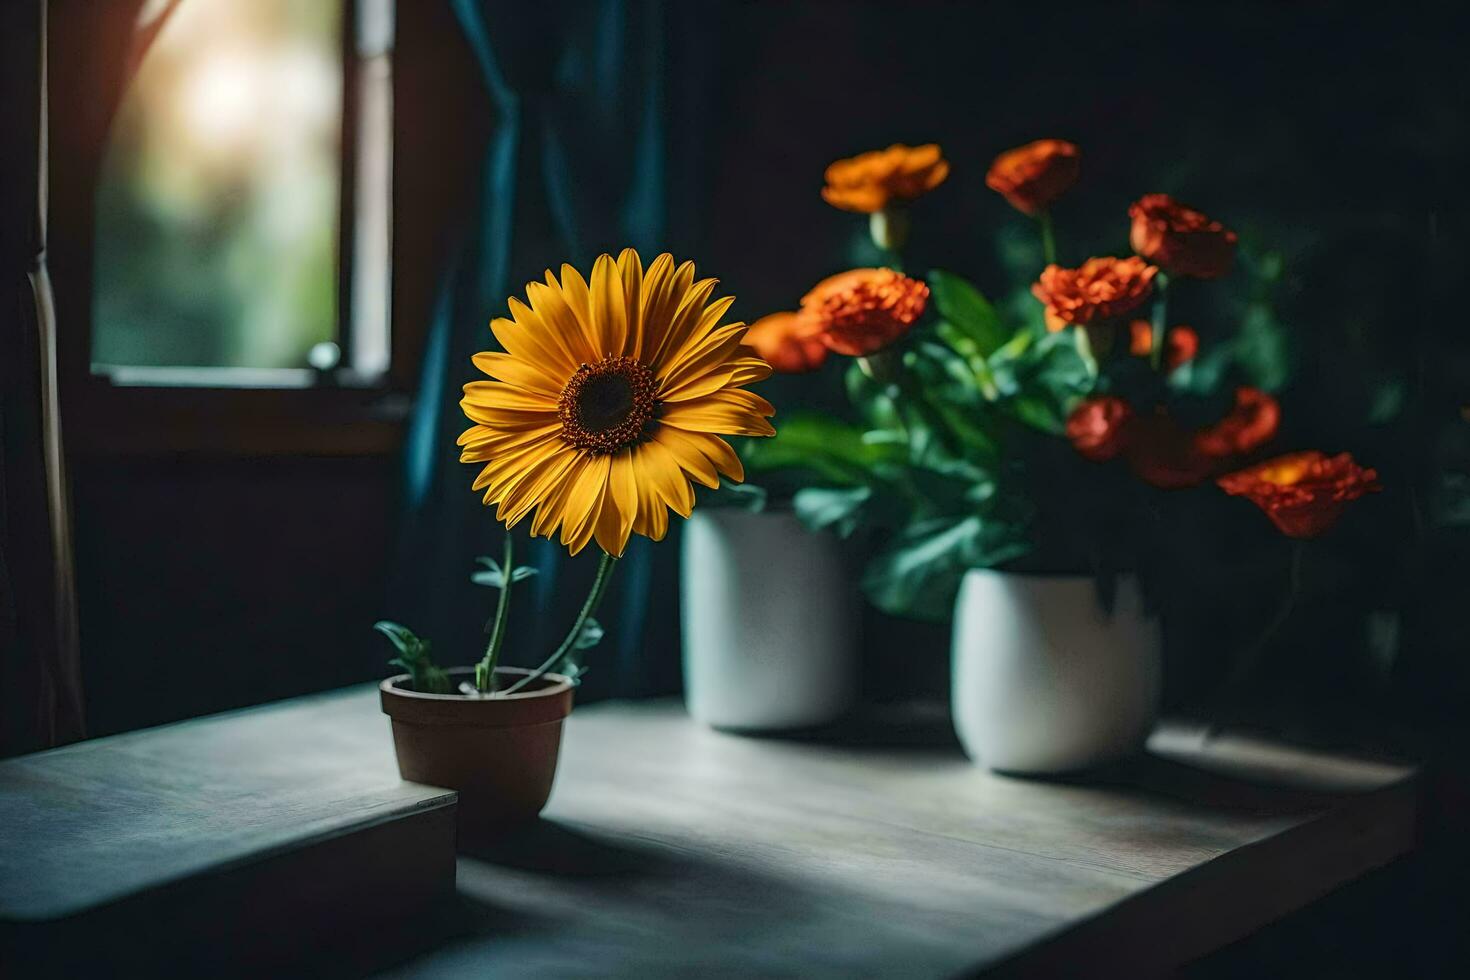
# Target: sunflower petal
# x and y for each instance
(519, 500)
(730, 411)
(528, 338)
(574, 291)
(712, 354)
(619, 506)
(523, 374)
(630, 268)
(685, 449)
(667, 479)
(584, 504)
(496, 394)
(609, 314)
(676, 318)
(561, 322)
(749, 369)
(652, 518)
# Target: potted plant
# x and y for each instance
(609, 400)
(1014, 465)
(796, 663)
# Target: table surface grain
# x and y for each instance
(109, 819)
(672, 850)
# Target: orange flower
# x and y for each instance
(1302, 493)
(1098, 426)
(1100, 289)
(786, 342)
(864, 310)
(1250, 424)
(1181, 240)
(872, 181)
(1164, 455)
(1031, 177)
(1140, 338)
(1181, 344)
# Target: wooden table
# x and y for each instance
(238, 843)
(672, 850)
(281, 835)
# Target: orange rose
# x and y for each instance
(1097, 427)
(1100, 289)
(1302, 493)
(1250, 424)
(864, 310)
(1031, 177)
(787, 342)
(1164, 455)
(872, 181)
(1181, 240)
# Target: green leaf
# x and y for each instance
(739, 496)
(1261, 348)
(919, 572)
(966, 307)
(591, 635)
(837, 509)
(1045, 381)
(401, 637)
(495, 578)
(833, 449)
(872, 399)
(413, 657)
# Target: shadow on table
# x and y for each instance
(553, 848)
(917, 726)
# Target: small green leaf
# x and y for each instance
(400, 636)
(919, 572)
(1261, 348)
(739, 496)
(591, 635)
(966, 307)
(827, 508)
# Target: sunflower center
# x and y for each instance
(607, 405)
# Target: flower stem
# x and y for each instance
(1160, 320)
(889, 229)
(485, 669)
(1250, 658)
(594, 598)
(1048, 238)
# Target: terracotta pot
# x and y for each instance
(499, 753)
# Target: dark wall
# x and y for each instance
(208, 584)
(1334, 137)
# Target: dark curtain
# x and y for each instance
(592, 109)
(40, 682)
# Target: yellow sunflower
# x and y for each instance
(610, 398)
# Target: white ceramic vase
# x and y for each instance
(768, 613)
(1047, 681)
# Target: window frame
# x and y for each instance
(213, 410)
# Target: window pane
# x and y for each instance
(218, 206)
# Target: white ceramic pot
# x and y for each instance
(769, 612)
(1044, 679)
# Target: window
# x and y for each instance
(243, 207)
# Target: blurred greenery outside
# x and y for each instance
(218, 204)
